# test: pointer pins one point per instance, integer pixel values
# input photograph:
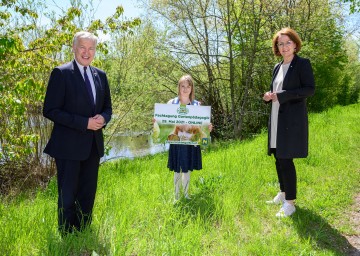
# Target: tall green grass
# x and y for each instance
(134, 212)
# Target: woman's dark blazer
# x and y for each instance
(68, 105)
(292, 130)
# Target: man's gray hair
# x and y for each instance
(84, 35)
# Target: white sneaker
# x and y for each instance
(286, 210)
(278, 199)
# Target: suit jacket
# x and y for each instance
(68, 104)
(292, 131)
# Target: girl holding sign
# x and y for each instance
(184, 158)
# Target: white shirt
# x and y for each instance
(88, 72)
(277, 87)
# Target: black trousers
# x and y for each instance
(286, 172)
(77, 183)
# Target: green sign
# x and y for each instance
(182, 124)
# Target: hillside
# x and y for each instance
(227, 215)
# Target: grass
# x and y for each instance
(134, 212)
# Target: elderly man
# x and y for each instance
(78, 102)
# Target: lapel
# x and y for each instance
(276, 70)
(289, 72)
(97, 84)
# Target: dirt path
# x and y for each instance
(354, 240)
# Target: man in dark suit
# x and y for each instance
(78, 102)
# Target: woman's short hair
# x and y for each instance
(189, 79)
(293, 37)
(84, 35)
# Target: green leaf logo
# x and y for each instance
(182, 110)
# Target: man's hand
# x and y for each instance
(95, 123)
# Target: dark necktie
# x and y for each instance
(88, 86)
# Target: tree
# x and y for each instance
(354, 5)
(132, 65)
(196, 42)
(226, 46)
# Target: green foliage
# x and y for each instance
(324, 45)
(7, 46)
(134, 212)
(132, 70)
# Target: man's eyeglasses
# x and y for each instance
(281, 45)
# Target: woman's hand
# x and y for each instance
(267, 96)
(270, 96)
(274, 97)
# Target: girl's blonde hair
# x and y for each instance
(188, 79)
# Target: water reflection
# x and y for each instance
(125, 146)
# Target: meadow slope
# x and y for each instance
(135, 215)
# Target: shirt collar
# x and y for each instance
(81, 67)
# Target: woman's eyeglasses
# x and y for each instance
(281, 45)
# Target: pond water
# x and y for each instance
(126, 146)
(129, 147)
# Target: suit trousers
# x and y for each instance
(77, 183)
(286, 172)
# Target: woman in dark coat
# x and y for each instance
(292, 83)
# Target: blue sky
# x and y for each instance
(105, 7)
